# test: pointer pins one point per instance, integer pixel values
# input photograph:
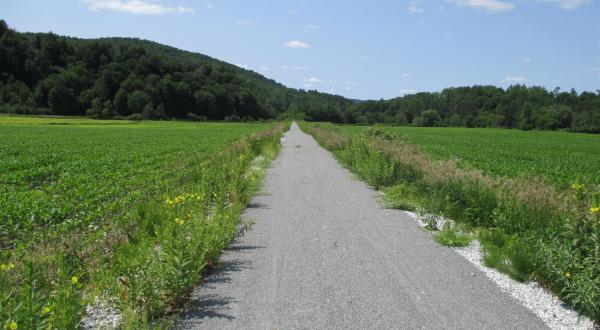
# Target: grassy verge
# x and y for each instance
(528, 229)
(146, 261)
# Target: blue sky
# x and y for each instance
(359, 49)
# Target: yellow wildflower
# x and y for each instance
(3, 267)
(74, 280)
(45, 310)
(568, 275)
(595, 210)
(179, 221)
(577, 186)
(11, 265)
(13, 326)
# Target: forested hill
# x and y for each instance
(42, 73)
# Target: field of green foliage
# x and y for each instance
(531, 198)
(559, 157)
(117, 211)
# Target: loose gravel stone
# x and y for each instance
(101, 315)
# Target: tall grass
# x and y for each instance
(528, 229)
(147, 262)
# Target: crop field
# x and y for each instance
(65, 174)
(559, 157)
(84, 202)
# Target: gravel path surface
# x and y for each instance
(324, 255)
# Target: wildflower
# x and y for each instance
(74, 280)
(11, 265)
(595, 210)
(45, 310)
(3, 267)
(179, 221)
(568, 275)
(13, 326)
(577, 186)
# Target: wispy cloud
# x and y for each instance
(296, 44)
(568, 4)
(311, 27)
(293, 67)
(244, 22)
(512, 79)
(313, 80)
(405, 75)
(487, 5)
(263, 68)
(414, 9)
(292, 12)
(526, 60)
(403, 92)
(210, 5)
(595, 69)
(136, 7)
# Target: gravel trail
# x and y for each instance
(323, 254)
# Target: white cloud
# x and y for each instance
(263, 68)
(568, 4)
(487, 5)
(307, 85)
(311, 27)
(313, 80)
(293, 67)
(414, 9)
(244, 66)
(407, 91)
(244, 22)
(210, 5)
(526, 60)
(296, 44)
(347, 88)
(512, 79)
(136, 7)
(292, 12)
(405, 75)
(595, 69)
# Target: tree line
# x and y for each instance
(43, 73)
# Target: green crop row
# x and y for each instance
(123, 215)
(558, 158)
(528, 229)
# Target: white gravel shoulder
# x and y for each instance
(548, 307)
(100, 315)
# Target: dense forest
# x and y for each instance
(42, 73)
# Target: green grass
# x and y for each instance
(455, 236)
(559, 157)
(126, 212)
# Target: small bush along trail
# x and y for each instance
(126, 214)
(323, 254)
(537, 226)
